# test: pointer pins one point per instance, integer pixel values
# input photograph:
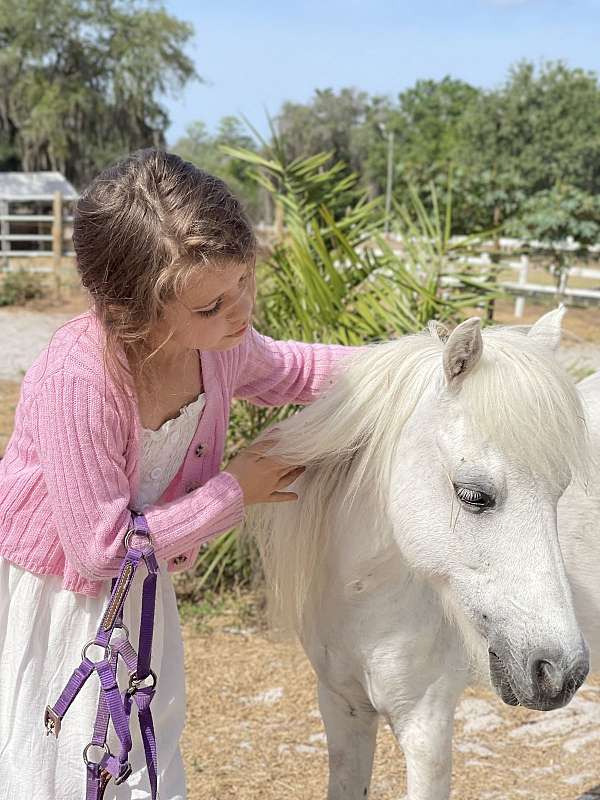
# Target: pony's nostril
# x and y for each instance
(550, 678)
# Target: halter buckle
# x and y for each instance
(52, 721)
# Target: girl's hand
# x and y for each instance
(262, 477)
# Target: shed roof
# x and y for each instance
(34, 186)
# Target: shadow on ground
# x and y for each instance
(590, 794)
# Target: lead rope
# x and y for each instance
(114, 704)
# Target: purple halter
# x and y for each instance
(114, 704)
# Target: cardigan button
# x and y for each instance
(199, 450)
(178, 560)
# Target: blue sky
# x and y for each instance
(254, 55)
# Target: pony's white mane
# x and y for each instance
(518, 397)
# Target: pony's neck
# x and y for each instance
(361, 553)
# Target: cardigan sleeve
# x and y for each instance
(81, 443)
(273, 373)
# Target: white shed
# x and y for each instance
(35, 214)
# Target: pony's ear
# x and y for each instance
(547, 329)
(462, 352)
(438, 331)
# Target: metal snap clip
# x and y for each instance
(136, 683)
(122, 777)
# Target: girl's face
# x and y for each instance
(214, 312)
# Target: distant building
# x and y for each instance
(32, 213)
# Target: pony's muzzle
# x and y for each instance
(555, 679)
(549, 680)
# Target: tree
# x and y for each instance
(426, 124)
(208, 153)
(80, 81)
(325, 125)
(556, 215)
(539, 128)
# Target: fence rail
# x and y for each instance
(56, 233)
(521, 288)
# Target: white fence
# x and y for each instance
(522, 288)
(56, 232)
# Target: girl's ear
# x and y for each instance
(547, 329)
(462, 352)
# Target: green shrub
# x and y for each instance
(18, 287)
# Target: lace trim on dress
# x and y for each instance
(163, 451)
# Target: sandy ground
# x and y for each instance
(253, 727)
(254, 730)
(24, 332)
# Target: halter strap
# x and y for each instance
(114, 704)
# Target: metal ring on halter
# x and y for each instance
(133, 532)
(135, 683)
(121, 627)
(107, 650)
(92, 744)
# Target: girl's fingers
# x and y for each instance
(282, 497)
(288, 469)
(259, 449)
(290, 477)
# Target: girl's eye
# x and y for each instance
(209, 312)
(476, 500)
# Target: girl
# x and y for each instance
(127, 409)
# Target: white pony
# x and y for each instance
(423, 549)
(579, 530)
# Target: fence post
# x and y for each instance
(4, 231)
(562, 284)
(57, 236)
(520, 301)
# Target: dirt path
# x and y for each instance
(580, 343)
(25, 332)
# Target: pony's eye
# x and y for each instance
(474, 499)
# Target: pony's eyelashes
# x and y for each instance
(474, 498)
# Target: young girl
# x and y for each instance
(128, 408)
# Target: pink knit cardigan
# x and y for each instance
(72, 463)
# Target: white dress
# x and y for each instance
(42, 631)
